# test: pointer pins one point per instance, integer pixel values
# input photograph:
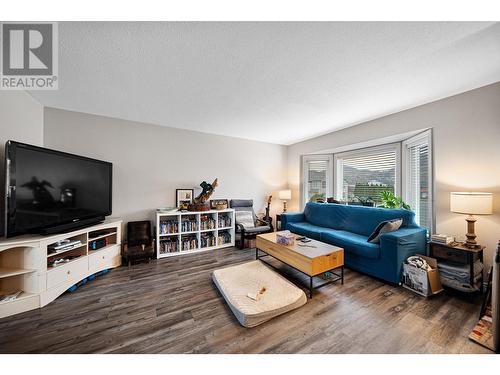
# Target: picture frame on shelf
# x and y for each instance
(183, 197)
(219, 204)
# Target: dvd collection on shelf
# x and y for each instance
(189, 242)
(223, 238)
(207, 222)
(207, 240)
(169, 227)
(168, 246)
(224, 221)
(189, 225)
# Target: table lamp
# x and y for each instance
(471, 203)
(285, 195)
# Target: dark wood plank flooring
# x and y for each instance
(172, 306)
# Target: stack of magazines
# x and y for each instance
(442, 238)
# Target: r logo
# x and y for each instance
(27, 49)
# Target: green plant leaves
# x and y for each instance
(389, 200)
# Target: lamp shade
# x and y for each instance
(471, 203)
(285, 195)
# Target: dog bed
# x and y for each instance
(255, 293)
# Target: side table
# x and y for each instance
(278, 222)
(458, 253)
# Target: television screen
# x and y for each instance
(47, 188)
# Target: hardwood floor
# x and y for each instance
(172, 306)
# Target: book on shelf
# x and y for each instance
(169, 227)
(207, 240)
(223, 238)
(224, 221)
(207, 222)
(189, 225)
(189, 243)
(168, 246)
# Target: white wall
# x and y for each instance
(21, 119)
(466, 153)
(151, 161)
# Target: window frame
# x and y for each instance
(329, 175)
(419, 139)
(367, 151)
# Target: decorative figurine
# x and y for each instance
(200, 202)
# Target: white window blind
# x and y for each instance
(418, 184)
(362, 175)
(317, 177)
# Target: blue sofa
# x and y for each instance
(350, 226)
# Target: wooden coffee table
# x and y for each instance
(312, 258)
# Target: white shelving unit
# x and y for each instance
(190, 232)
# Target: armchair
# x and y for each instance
(139, 244)
(247, 224)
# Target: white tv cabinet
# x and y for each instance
(24, 265)
(188, 232)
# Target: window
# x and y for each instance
(417, 182)
(358, 177)
(317, 177)
(361, 175)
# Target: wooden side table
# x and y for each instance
(458, 253)
(278, 222)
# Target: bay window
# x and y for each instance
(361, 175)
(317, 177)
(358, 177)
(417, 181)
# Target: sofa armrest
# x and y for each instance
(397, 246)
(291, 218)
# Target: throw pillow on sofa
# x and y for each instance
(245, 218)
(384, 227)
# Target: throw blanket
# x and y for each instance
(462, 286)
(459, 272)
(418, 262)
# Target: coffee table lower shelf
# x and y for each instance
(336, 277)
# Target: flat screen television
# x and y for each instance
(49, 191)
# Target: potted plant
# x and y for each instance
(390, 200)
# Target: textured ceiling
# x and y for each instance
(273, 82)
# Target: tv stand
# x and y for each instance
(27, 265)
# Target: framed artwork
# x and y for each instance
(219, 204)
(184, 197)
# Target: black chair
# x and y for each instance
(247, 232)
(139, 244)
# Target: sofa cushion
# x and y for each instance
(384, 227)
(245, 218)
(352, 243)
(356, 219)
(325, 215)
(306, 229)
(258, 229)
